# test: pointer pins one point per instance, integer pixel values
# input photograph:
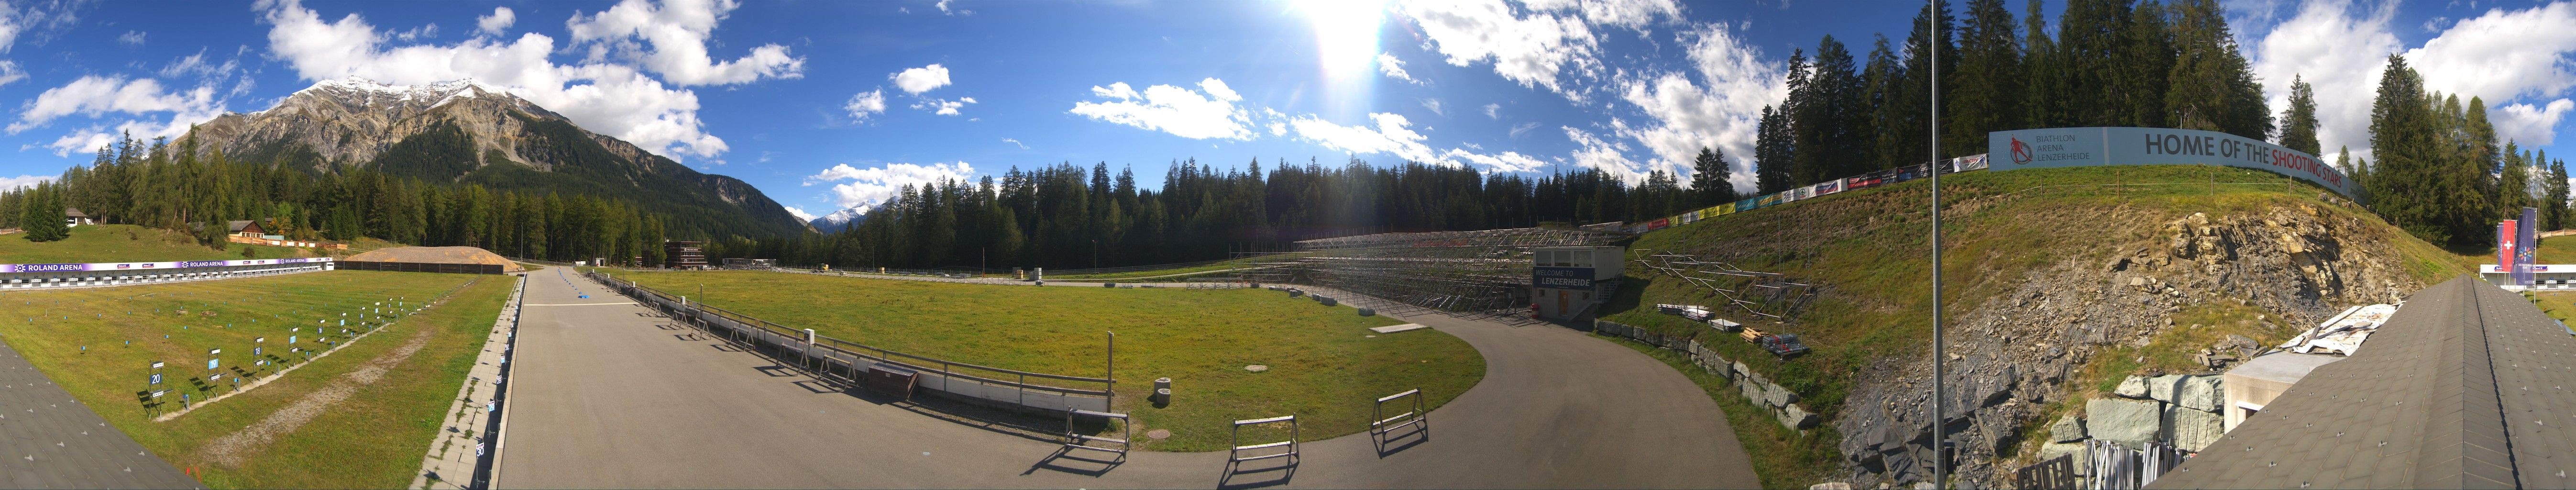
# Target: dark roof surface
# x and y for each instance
(2467, 386)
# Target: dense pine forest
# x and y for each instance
(167, 185)
(1059, 216)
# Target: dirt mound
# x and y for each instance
(438, 255)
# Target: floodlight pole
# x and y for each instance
(1940, 443)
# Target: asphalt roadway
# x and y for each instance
(49, 440)
(610, 395)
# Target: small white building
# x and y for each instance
(2544, 277)
(74, 217)
(1565, 281)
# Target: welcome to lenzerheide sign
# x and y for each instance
(2088, 147)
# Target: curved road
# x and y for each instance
(608, 395)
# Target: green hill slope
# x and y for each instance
(120, 243)
(2053, 284)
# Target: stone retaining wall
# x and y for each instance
(1782, 403)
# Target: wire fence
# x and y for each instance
(849, 362)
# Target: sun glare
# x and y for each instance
(1345, 34)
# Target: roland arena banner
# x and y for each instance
(147, 266)
(2087, 147)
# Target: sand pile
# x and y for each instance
(438, 255)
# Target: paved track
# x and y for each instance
(606, 398)
(49, 440)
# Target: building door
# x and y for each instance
(1560, 302)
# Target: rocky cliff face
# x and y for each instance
(482, 134)
(2013, 355)
(351, 121)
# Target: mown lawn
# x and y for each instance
(121, 243)
(372, 439)
(1324, 365)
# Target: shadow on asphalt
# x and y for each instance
(1388, 444)
(1285, 470)
(1053, 462)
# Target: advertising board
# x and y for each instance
(2089, 147)
(1561, 277)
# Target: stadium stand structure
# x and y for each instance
(1447, 270)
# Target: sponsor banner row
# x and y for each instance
(2092, 147)
(1864, 181)
(132, 266)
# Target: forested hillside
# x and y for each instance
(167, 186)
(1055, 216)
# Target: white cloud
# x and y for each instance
(943, 107)
(1608, 156)
(1632, 14)
(1179, 111)
(97, 96)
(615, 99)
(944, 10)
(1394, 68)
(196, 65)
(873, 186)
(2502, 55)
(10, 73)
(2339, 51)
(798, 212)
(417, 33)
(1720, 110)
(677, 33)
(1015, 142)
(1520, 129)
(1393, 137)
(2532, 126)
(25, 181)
(498, 23)
(131, 38)
(1529, 50)
(1433, 105)
(1494, 111)
(866, 103)
(918, 80)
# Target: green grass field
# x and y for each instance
(118, 243)
(1176, 274)
(373, 438)
(1324, 366)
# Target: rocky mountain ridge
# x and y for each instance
(839, 220)
(467, 131)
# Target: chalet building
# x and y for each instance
(74, 217)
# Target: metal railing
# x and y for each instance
(847, 360)
(1236, 455)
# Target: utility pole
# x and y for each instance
(1940, 442)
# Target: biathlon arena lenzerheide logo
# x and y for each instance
(2020, 152)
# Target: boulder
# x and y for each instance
(2068, 428)
(2201, 393)
(2134, 387)
(1752, 390)
(1776, 396)
(2165, 388)
(2053, 450)
(2192, 429)
(1796, 418)
(2131, 423)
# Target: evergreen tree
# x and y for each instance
(1823, 118)
(2299, 126)
(2513, 189)
(2048, 85)
(2210, 86)
(1709, 179)
(2556, 211)
(1772, 150)
(1990, 79)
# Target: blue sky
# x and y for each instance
(826, 105)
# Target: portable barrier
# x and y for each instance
(1381, 424)
(1236, 455)
(850, 362)
(1080, 441)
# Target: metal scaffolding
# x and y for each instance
(1767, 294)
(1451, 270)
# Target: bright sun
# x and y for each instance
(1345, 34)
